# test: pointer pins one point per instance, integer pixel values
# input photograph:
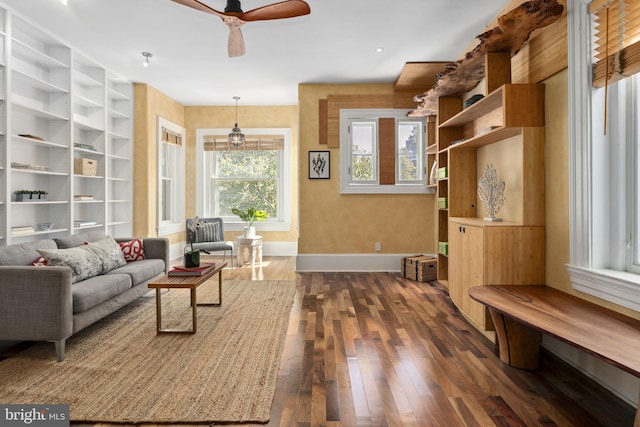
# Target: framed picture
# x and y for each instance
(319, 164)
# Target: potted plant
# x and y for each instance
(250, 216)
(192, 256)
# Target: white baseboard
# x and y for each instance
(349, 262)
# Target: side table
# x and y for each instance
(253, 245)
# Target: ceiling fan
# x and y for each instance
(234, 17)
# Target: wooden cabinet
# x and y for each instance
(505, 129)
(58, 106)
(483, 253)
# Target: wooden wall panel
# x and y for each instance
(323, 106)
(387, 150)
(337, 102)
(544, 54)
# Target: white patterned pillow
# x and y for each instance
(82, 262)
(109, 252)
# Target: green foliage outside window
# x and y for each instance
(246, 179)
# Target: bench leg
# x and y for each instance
(519, 344)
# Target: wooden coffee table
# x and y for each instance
(186, 282)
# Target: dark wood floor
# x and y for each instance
(374, 349)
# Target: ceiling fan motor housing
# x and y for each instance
(233, 6)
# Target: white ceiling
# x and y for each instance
(336, 43)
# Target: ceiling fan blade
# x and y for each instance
(195, 4)
(282, 10)
(235, 45)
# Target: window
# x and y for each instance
(171, 199)
(257, 174)
(382, 151)
(604, 182)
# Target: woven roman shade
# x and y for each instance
(616, 25)
(252, 142)
(171, 137)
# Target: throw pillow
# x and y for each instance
(40, 262)
(83, 263)
(108, 250)
(133, 250)
(207, 232)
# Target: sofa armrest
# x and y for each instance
(35, 303)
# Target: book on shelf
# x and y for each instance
(22, 229)
(84, 223)
(83, 197)
(191, 271)
(26, 135)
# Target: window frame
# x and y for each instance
(591, 269)
(233, 223)
(350, 186)
(177, 222)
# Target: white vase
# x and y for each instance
(250, 231)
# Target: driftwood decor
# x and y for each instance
(513, 30)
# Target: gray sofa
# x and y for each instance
(43, 303)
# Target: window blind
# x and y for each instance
(252, 142)
(616, 44)
(171, 137)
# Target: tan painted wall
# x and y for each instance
(149, 103)
(248, 117)
(332, 223)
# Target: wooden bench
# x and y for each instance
(522, 313)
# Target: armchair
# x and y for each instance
(208, 236)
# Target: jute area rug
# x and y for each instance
(120, 371)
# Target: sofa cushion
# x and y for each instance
(82, 262)
(141, 271)
(133, 250)
(109, 253)
(79, 239)
(24, 253)
(98, 289)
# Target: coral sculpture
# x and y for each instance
(491, 192)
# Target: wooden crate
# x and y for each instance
(82, 166)
(421, 268)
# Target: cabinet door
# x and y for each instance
(456, 263)
(473, 271)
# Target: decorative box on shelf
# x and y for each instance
(443, 248)
(82, 166)
(443, 172)
(421, 268)
(443, 203)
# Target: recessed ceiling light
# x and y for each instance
(379, 49)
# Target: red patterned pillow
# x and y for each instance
(133, 250)
(40, 262)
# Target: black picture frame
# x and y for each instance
(319, 165)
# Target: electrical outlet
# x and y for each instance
(377, 246)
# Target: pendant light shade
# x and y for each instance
(236, 137)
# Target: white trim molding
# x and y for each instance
(615, 286)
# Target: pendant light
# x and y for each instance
(236, 137)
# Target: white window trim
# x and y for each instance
(235, 224)
(619, 287)
(349, 187)
(178, 224)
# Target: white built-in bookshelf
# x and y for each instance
(62, 117)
